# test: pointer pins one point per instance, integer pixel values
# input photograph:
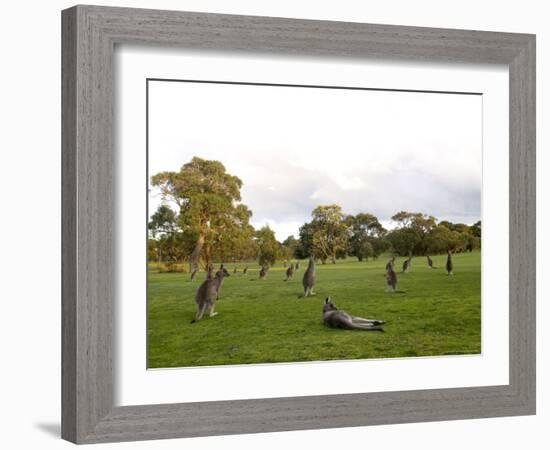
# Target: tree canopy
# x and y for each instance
(268, 247)
(208, 201)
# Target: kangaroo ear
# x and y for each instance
(327, 300)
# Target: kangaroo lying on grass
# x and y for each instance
(207, 294)
(336, 318)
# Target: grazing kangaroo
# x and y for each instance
(263, 272)
(390, 263)
(221, 274)
(391, 278)
(289, 272)
(449, 265)
(407, 263)
(207, 294)
(430, 262)
(309, 278)
(336, 318)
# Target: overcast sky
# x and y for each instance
(296, 148)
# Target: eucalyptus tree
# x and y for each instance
(208, 200)
(330, 231)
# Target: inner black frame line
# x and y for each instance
(312, 86)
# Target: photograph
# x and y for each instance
(306, 223)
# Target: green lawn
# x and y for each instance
(266, 322)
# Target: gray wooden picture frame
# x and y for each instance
(89, 36)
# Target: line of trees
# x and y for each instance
(209, 223)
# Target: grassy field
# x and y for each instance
(266, 322)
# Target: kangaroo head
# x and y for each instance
(222, 272)
(329, 306)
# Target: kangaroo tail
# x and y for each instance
(200, 312)
(367, 327)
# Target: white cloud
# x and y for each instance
(295, 148)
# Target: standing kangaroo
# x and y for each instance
(263, 272)
(336, 318)
(449, 265)
(221, 274)
(207, 294)
(430, 262)
(289, 272)
(391, 278)
(407, 263)
(245, 270)
(309, 277)
(297, 265)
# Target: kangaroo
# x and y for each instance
(449, 265)
(297, 265)
(430, 262)
(289, 272)
(263, 272)
(309, 278)
(245, 270)
(407, 263)
(235, 270)
(221, 274)
(336, 318)
(391, 278)
(390, 263)
(207, 294)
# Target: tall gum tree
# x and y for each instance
(208, 199)
(330, 231)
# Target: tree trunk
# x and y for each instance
(196, 254)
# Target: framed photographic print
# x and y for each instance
(278, 224)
